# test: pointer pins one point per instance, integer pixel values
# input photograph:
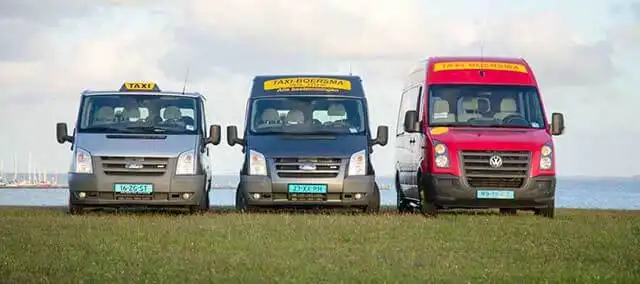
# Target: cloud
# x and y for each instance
(287, 35)
(64, 49)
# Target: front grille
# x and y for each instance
(512, 173)
(307, 167)
(121, 166)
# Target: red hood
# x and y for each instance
(473, 138)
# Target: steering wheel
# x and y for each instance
(515, 119)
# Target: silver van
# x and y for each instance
(140, 146)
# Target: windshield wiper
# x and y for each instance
(508, 126)
(153, 128)
(105, 129)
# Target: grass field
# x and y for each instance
(579, 246)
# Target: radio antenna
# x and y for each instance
(186, 77)
(482, 37)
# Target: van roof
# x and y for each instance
(467, 70)
(141, 88)
(115, 92)
(316, 84)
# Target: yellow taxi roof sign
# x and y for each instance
(139, 87)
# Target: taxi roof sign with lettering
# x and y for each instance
(139, 87)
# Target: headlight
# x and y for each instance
(186, 164)
(82, 162)
(358, 164)
(546, 157)
(257, 164)
(441, 154)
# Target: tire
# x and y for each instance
(428, 209)
(203, 205)
(401, 204)
(547, 212)
(374, 203)
(508, 211)
(75, 209)
(240, 204)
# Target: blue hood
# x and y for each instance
(102, 145)
(307, 146)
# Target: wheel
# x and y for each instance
(241, 205)
(508, 211)
(374, 203)
(428, 209)
(548, 212)
(203, 206)
(74, 209)
(401, 204)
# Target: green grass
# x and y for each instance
(579, 246)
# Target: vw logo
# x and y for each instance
(495, 161)
(307, 167)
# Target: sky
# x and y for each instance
(583, 54)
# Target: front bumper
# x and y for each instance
(99, 190)
(342, 192)
(450, 191)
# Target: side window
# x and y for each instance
(412, 99)
(409, 102)
(203, 123)
(420, 104)
(534, 107)
(401, 111)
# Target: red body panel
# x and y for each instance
(473, 138)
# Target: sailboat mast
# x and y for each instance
(15, 167)
(30, 177)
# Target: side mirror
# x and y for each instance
(232, 136)
(214, 134)
(62, 133)
(382, 136)
(557, 123)
(411, 121)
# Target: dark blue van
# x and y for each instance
(307, 143)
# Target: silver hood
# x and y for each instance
(147, 145)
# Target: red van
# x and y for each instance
(472, 132)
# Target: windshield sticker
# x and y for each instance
(535, 124)
(473, 65)
(440, 115)
(298, 84)
(353, 130)
(439, 130)
(190, 127)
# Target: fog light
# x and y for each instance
(82, 195)
(358, 195)
(185, 196)
(256, 196)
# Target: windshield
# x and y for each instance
(307, 115)
(485, 106)
(141, 114)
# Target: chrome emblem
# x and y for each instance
(133, 164)
(307, 167)
(495, 161)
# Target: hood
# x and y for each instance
(306, 146)
(472, 138)
(143, 145)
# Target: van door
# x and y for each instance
(403, 152)
(406, 159)
(415, 141)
